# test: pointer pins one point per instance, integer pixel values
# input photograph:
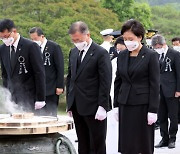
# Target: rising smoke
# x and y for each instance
(6, 104)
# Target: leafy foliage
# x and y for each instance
(166, 20)
(128, 9)
(55, 17)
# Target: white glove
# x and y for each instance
(101, 113)
(39, 104)
(116, 113)
(70, 113)
(151, 118)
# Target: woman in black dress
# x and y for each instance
(136, 92)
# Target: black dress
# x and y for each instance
(135, 135)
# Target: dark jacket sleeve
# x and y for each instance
(4, 74)
(105, 78)
(117, 85)
(68, 78)
(59, 62)
(38, 71)
(154, 83)
(177, 69)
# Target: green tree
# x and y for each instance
(123, 8)
(166, 21)
(128, 9)
(55, 17)
(142, 12)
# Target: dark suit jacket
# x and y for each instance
(25, 87)
(113, 51)
(54, 67)
(90, 86)
(142, 85)
(170, 78)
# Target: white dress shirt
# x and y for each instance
(42, 46)
(86, 49)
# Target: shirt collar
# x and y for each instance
(165, 50)
(15, 44)
(87, 47)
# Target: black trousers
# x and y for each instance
(51, 107)
(90, 131)
(179, 112)
(168, 108)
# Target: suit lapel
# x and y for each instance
(46, 47)
(164, 62)
(86, 59)
(138, 60)
(18, 51)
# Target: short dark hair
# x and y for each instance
(36, 30)
(78, 26)
(6, 24)
(135, 27)
(119, 40)
(175, 39)
(158, 39)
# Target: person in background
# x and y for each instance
(136, 92)
(169, 60)
(176, 46)
(118, 46)
(54, 70)
(22, 68)
(88, 88)
(112, 124)
(108, 38)
(176, 43)
(149, 34)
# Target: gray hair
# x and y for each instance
(158, 39)
(79, 26)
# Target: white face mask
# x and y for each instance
(176, 48)
(38, 42)
(8, 41)
(131, 45)
(81, 45)
(118, 51)
(148, 42)
(160, 50)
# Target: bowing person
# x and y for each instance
(88, 87)
(169, 91)
(54, 70)
(22, 68)
(136, 92)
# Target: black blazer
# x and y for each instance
(141, 86)
(26, 80)
(170, 73)
(90, 86)
(54, 67)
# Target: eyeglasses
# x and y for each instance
(6, 37)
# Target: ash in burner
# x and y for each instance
(22, 115)
(7, 106)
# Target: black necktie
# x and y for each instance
(13, 56)
(79, 59)
(161, 59)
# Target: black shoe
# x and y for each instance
(171, 145)
(161, 144)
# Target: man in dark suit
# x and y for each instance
(54, 70)
(22, 68)
(88, 87)
(169, 90)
